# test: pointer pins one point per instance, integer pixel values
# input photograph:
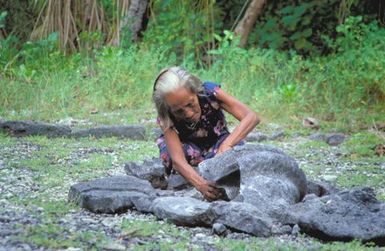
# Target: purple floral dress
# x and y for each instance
(202, 140)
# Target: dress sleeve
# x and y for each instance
(211, 88)
(211, 92)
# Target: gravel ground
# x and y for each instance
(19, 185)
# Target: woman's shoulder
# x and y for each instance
(211, 87)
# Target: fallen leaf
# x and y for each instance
(310, 123)
(380, 149)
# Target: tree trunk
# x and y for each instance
(135, 21)
(2, 34)
(246, 24)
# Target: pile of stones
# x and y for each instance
(266, 194)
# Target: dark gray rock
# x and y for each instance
(143, 204)
(256, 172)
(177, 182)
(335, 139)
(224, 168)
(279, 229)
(277, 135)
(332, 139)
(344, 216)
(268, 174)
(151, 170)
(242, 217)
(183, 211)
(31, 128)
(136, 132)
(318, 137)
(111, 194)
(321, 188)
(256, 137)
(219, 229)
(155, 132)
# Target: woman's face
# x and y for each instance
(184, 105)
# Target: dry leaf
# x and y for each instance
(310, 123)
(380, 149)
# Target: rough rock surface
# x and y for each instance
(151, 170)
(111, 194)
(30, 128)
(267, 189)
(183, 211)
(333, 139)
(243, 217)
(256, 137)
(344, 216)
(256, 162)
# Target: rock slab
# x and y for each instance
(111, 194)
(344, 216)
(31, 128)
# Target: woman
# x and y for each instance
(193, 124)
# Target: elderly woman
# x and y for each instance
(190, 114)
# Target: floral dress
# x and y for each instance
(201, 140)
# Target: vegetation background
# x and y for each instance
(95, 60)
(313, 58)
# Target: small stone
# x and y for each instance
(256, 137)
(318, 137)
(330, 177)
(112, 246)
(334, 139)
(2, 166)
(219, 229)
(277, 135)
(200, 236)
(295, 230)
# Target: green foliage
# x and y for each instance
(182, 27)
(296, 25)
(3, 15)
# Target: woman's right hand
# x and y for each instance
(209, 190)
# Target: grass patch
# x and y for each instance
(148, 230)
(141, 228)
(54, 236)
(362, 144)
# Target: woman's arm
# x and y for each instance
(174, 147)
(247, 117)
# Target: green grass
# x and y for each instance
(362, 144)
(53, 236)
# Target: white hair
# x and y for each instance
(167, 81)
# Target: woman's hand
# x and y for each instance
(209, 190)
